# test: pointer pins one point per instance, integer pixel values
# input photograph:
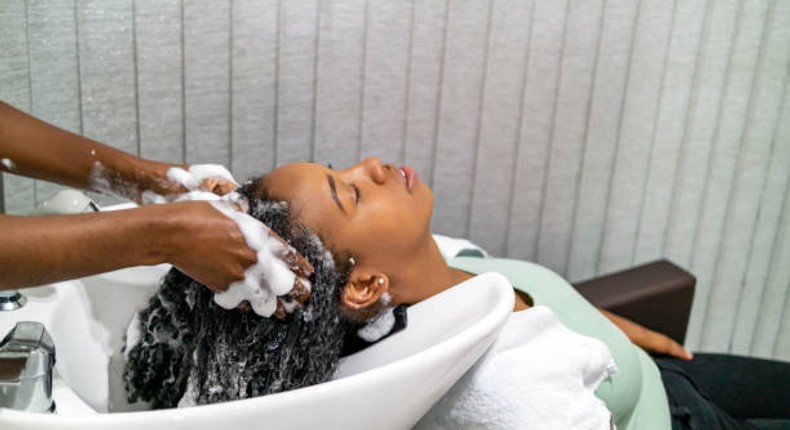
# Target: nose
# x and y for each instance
(373, 168)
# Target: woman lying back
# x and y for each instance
(380, 215)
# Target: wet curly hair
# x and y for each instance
(191, 351)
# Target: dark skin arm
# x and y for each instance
(193, 236)
(39, 150)
(641, 336)
(647, 339)
(40, 250)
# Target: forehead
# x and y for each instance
(304, 186)
(291, 180)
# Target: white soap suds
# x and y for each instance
(8, 164)
(379, 327)
(190, 394)
(132, 335)
(100, 182)
(192, 180)
(265, 280)
(198, 173)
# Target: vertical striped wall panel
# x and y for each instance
(384, 80)
(254, 29)
(585, 135)
(339, 81)
(428, 40)
(465, 60)
(297, 48)
(500, 116)
(607, 93)
(54, 91)
(15, 89)
(568, 125)
(546, 43)
(206, 48)
(160, 79)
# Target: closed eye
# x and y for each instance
(357, 193)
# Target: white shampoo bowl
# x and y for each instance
(388, 386)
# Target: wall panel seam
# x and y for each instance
(552, 124)
(316, 58)
(363, 66)
(659, 101)
(784, 224)
(585, 135)
(79, 65)
(276, 90)
(724, 91)
(750, 113)
(231, 58)
(778, 229)
(439, 92)
(519, 127)
(136, 78)
(687, 121)
(29, 62)
(407, 84)
(29, 80)
(480, 108)
(610, 184)
(182, 37)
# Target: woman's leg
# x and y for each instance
(744, 387)
(721, 391)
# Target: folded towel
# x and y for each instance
(537, 375)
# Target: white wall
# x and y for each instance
(587, 135)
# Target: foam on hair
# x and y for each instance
(188, 344)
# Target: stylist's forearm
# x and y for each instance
(40, 250)
(33, 148)
(193, 236)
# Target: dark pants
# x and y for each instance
(727, 392)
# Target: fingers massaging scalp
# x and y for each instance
(271, 285)
(184, 350)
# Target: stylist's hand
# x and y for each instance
(649, 340)
(208, 246)
(152, 176)
(257, 233)
(205, 244)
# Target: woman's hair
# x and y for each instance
(191, 348)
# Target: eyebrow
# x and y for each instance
(333, 190)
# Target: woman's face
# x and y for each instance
(378, 212)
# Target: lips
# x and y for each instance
(410, 176)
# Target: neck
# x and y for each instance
(430, 274)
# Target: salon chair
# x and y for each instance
(657, 295)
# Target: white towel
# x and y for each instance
(537, 375)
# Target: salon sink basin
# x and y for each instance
(388, 386)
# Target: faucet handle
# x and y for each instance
(31, 339)
(27, 356)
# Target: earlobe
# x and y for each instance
(363, 291)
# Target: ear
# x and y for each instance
(364, 289)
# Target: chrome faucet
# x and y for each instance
(27, 357)
(11, 300)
